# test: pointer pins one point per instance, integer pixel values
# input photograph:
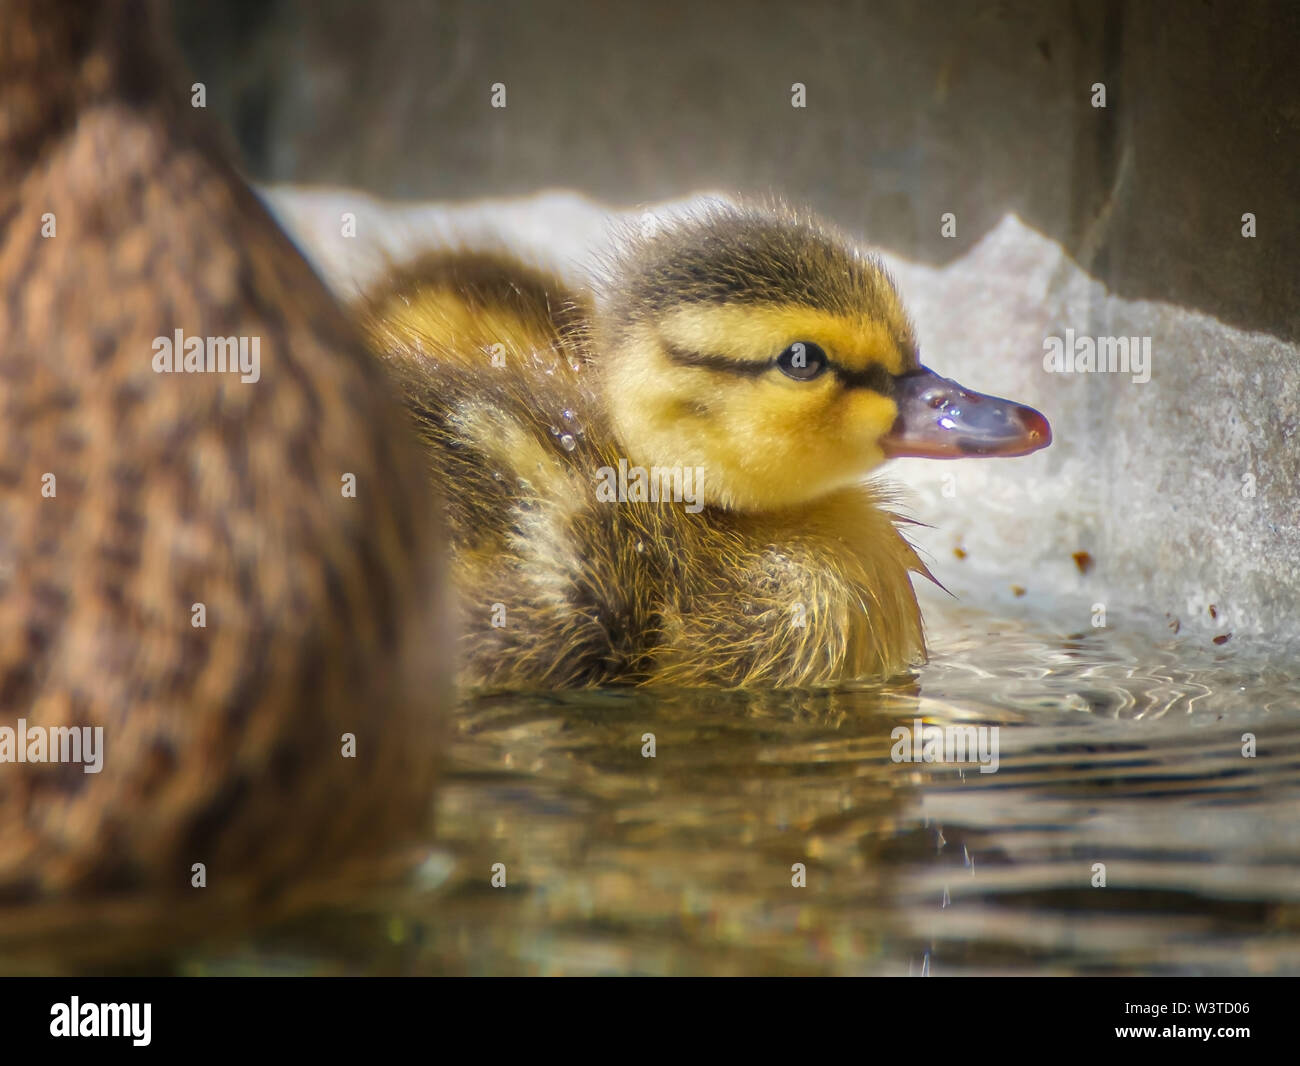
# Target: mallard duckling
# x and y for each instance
(663, 483)
(186, 580)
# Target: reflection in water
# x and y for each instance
(1114, 750)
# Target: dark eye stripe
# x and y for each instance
(715, 362)
(876, 378)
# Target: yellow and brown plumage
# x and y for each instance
(790, 570)
(222, 744)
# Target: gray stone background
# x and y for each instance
(1117, 221)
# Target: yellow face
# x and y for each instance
(778, 404)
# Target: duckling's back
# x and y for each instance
(227, 572)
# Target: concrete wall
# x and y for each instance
(1117, 221)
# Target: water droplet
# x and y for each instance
(568, 414)
(568, 443)
(640, 546)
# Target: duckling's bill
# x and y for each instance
(940, 419)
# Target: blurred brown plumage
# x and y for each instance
(323, 616)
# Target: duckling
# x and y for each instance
(226, 581)
(661, 481)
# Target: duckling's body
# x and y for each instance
(774, 563)
(603, 592)
(130, 498)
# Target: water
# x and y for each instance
(1114, 748)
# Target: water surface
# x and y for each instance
(1115, 748)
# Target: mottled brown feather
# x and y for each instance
(222, 744)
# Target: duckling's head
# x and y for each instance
(764, 348)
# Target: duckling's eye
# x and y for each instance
(802, 361)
